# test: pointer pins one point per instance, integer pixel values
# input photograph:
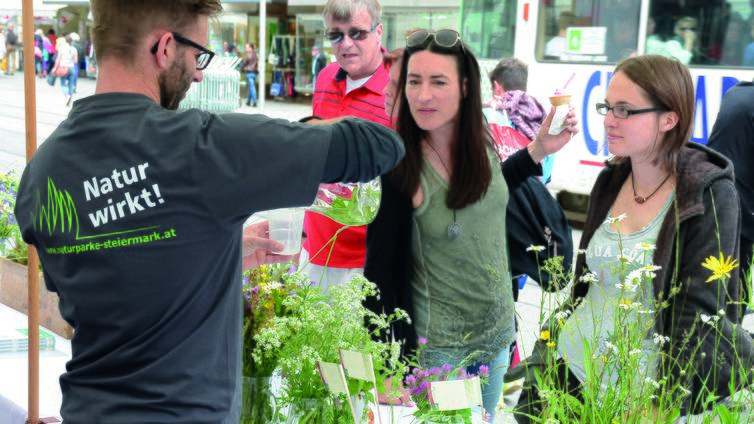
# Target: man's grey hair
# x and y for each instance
(341, 10)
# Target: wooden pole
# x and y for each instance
(30, 96)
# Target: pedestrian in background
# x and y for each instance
(65, 61)
(53, 49)
(319, 62)
(3, 56)
(250, 66)
(39, 54)
(11, 47)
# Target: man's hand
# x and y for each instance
(258, 248)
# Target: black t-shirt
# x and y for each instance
(137, 215)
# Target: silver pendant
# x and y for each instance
(454, 230)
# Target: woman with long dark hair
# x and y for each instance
(437, 247)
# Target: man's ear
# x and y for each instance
(497, 89)
(165, 49)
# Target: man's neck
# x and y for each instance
(114, 77)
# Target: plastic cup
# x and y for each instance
(286, 226)
(561, 103)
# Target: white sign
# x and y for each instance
(586, 40)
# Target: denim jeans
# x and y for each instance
(251, 82)
(68, 83)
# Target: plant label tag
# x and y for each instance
(455, 394)
(333, 377)
(357, 365)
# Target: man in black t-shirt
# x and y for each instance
(137, 211)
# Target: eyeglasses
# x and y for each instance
(355, 34)
(202, 58)
(622, 112)
(687, 29)
(444, 38)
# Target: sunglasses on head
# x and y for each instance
(444, 38)
(355, 34)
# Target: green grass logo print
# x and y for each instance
(57, 214)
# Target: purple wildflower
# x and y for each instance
(484, 371)
(422, 341)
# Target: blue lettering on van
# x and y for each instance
(592, 144)
(728, 83)
(700, 106)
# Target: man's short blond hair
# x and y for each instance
(341, 10)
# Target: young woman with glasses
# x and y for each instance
(437, 247)
(668, 204)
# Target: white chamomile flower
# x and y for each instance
(535, 248)
(588, 278)
(647, 247)
(614, 219)
(708, 319)
(634, 352)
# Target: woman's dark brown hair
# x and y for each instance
(472, 172)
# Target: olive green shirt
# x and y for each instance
(463, 300)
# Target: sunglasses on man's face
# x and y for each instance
(355, 34)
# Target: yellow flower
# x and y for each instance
(545, 335)
(720, 267)
(551, 344)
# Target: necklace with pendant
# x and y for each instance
(640, 199)
(454, 228)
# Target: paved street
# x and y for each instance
(51, 110)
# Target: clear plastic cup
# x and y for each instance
(286, 226)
